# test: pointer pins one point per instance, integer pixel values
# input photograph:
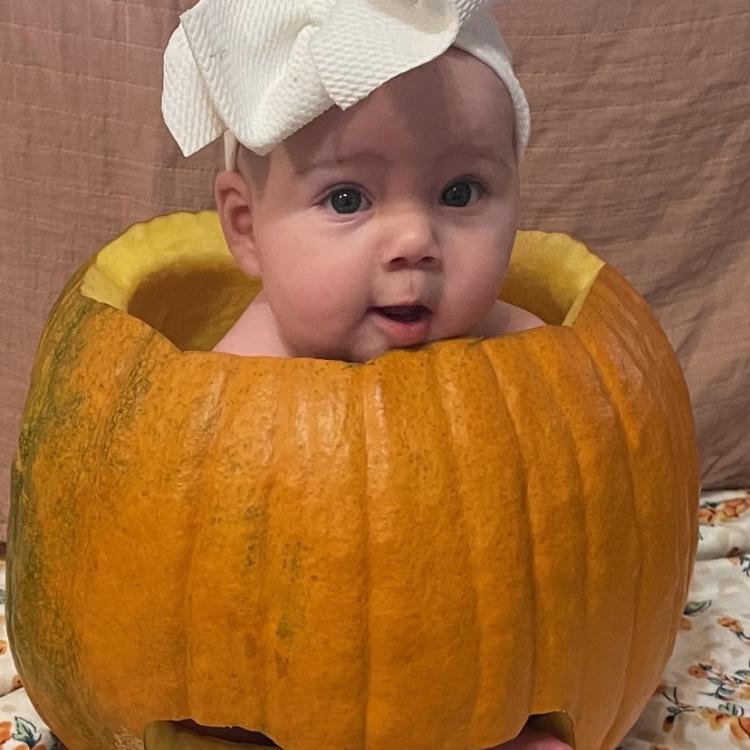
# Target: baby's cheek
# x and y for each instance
(323, 318)
(471, 299)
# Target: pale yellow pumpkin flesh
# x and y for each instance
(419, 552)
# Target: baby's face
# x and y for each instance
(407, 200)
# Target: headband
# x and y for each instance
(257, 71)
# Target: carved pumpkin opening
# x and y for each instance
(176, 274)
(189, 735)
(163, 735)
(556, 723)
(238, 735)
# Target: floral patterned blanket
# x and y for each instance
(702, 703)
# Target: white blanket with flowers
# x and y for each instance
(702, 703)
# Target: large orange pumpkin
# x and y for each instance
(416, 553)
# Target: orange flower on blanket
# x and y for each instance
(743, 725)
(6, 731)
(726, 687)
(724, 511)
(716, 720)
(735, 626)
(737, 725)
(731, 623)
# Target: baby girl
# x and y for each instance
(385, 225)
(378, 201)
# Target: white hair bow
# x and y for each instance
(263, 69)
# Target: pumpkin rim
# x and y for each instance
(548, 265)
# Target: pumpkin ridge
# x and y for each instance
(367, 379)
(589, 362)
(593, 311)
(471, 572)
(635, 609)
(86, 520)
(38, 417)
(572, 559)
(658, 394)
(523, 504)
(210, 426)
(531, 355)
(136, 381)
(265, 699)
(52, 357)
(682, 425)
(672, 429)
(27, 529)
(365, 473)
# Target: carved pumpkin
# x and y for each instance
(419, 552)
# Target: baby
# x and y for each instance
(381, 224)
(385, 225)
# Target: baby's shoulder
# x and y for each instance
(505, 318)
(254, 333)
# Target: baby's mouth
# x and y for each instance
(404, 313)
(403, 325)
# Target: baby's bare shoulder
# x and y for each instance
(506, 318)
(254, 334)
(520, 319)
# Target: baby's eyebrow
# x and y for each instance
(336, 162)
(491, 154)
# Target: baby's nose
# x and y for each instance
(413, 240)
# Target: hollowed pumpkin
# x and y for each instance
(419, 552)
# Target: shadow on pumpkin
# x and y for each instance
(193, 308)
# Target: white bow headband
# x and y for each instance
(261, 70)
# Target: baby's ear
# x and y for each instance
(235, 208)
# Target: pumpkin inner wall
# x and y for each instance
(187, 287)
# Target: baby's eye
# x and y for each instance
(346, 200)
(461, 193)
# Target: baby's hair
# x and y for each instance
(231, 147)
(250, 166)
(238, 158)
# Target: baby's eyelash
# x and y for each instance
(338, 188)
(479, 184)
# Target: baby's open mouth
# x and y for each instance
(403, 325)
(404, 313)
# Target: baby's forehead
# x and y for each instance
(430, 107)
(454, 103)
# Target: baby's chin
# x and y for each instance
(369, 339)
(363, 354)
(360, 353)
